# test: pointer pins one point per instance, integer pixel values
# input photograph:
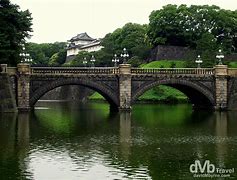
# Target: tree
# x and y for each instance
(207, 48)
(15, 26)
(78, 60)
(131, 36)
(58, 58)
(183, 26)
(42, 53)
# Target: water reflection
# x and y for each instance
(125, 134)
(159, 142)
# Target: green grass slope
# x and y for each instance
(164, 64)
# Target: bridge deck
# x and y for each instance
(111, 70)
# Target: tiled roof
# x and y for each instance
(82, 36)
(94, 43)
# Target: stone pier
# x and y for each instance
(221, 82)
(125, 87)
(23, 87)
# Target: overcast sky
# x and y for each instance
(59, 20)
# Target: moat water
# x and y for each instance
(73, 141)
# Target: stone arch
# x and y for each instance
(198, 94)
(107, 93)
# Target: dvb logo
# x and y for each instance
(207, 167)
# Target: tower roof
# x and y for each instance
(82, 36)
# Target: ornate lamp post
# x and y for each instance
(198, 61)
(115, 60)
(92, 61)
(25, 57)
(220, 56)
(85, 62)
(124, 55)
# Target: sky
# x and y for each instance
(59, 20)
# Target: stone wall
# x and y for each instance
(69, 93)
(162, 52)
(7, 97)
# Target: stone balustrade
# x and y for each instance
(232, 71)
(115, 70)
(72, 70)
(11, 70)
(199, 71)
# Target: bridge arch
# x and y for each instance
(199, 95)
(107, 93)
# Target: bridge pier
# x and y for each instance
(125, 86)
(221, 83)
(23, 87)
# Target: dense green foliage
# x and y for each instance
(47, 53)
(15, 26)
(232, 64)
(96, 96)
(58, 58)
(102, 59)
(164, 94)
(130, 36)
(184, 26)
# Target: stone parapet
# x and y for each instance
(221, 70)
(3, 68)
(125, 69)
(23, 68)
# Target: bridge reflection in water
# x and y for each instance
(82, 143)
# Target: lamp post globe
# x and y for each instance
(124, 55)
(115, 60)
(84, 62)
(92, 61)
(220, 56)
(25, 57)
(198, 61)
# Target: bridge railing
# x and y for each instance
(11, 70)
(199, 71)
(73, 70)
(232, 71)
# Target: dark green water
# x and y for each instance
(69, 141)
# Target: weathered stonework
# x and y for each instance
(69, 93)
(125, 87)
(7, 98)
(221, 73)
(23, 87)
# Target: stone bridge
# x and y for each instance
(214, 88)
